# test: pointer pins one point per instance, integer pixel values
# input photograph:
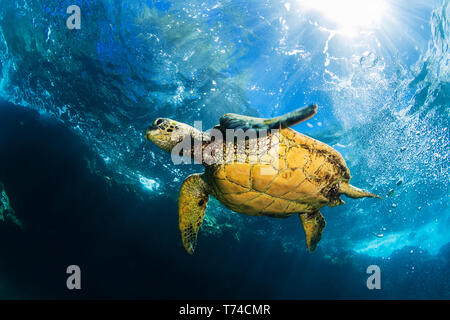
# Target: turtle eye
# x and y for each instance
(158, 121)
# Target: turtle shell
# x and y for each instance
(296, 174)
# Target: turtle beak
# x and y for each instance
(149, 131)
(155, 127)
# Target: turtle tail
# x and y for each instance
(355, 193)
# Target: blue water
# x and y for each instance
(88, 189)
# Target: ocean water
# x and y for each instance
(87, 189)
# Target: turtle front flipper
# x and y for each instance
(237, 121)
(192, 202)
(313, 224)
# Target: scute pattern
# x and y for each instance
(297, 174)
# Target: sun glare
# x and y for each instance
(351, 16)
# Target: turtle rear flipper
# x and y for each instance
(237, 121)
(192, 202)
(313, 224)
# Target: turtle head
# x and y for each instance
(167, 133)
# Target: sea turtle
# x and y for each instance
(294, 174)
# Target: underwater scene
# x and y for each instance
(85, 84)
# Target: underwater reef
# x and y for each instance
(6, 211)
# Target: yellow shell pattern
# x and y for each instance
(299, 175)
